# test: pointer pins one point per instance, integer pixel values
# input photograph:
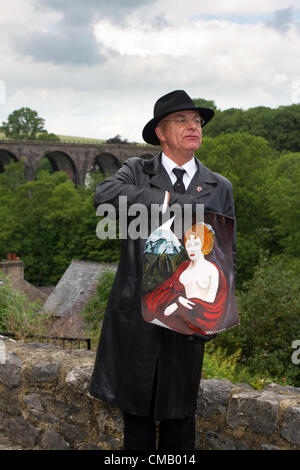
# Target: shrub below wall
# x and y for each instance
(44, 404)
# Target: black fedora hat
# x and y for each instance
(172, 102)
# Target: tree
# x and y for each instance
(23, 124)
(283, 198)
(246, 161)
(269, 310)
(202, 103)
(10, 182)
(279, 126)
(45, 136)
(48, 222)
(116, 140)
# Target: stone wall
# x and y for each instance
(44, 404)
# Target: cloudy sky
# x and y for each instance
(94, 68)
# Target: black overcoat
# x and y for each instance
(131, 350)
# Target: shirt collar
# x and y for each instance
(190, 167)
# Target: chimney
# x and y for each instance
(14, 269)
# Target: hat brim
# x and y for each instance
(149, 134)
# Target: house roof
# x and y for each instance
(75, 287)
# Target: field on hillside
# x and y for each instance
(71, 138)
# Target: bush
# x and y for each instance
(216, 365)
(18, 315)
(269, 309)
(93, 312)
(48, 222)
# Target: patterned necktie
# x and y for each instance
(178, 185)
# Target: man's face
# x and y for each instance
(177, 136)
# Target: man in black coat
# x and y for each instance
(152, 373)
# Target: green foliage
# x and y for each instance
(10, 181)
(94, 179)
(12, 177)
(246, 161)
(23, 124)
(18, 315)
(93, 312)
(284, 180)
(218, 365)
(45, 136)
(49, 222)
(269, 309)
(202, 103)
(44, 167)
(279, 126)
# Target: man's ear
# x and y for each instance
(159, 133)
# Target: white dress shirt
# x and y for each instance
(190, 168)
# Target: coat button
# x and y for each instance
(199, 188)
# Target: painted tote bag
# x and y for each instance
(188, 286)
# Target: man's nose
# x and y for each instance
(191, 124)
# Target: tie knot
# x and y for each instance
(178, 173)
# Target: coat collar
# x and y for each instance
(158, 175)
(160, 178)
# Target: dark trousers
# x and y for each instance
(174, 434)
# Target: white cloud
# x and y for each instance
(250, 62)
(149, 52)
(179, 10)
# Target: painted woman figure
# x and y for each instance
(194, 298)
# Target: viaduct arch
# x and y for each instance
(78, 160)
(6, 157)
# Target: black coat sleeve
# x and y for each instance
(127, 182)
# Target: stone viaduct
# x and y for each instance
(78, 160)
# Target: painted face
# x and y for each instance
(193, 247)
(180, 131)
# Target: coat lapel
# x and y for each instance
(158, 177)
(203, 182)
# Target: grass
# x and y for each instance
(216, 365)
(80, 140)
(70, 139)
(18, 315)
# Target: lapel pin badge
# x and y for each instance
(199, 188)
